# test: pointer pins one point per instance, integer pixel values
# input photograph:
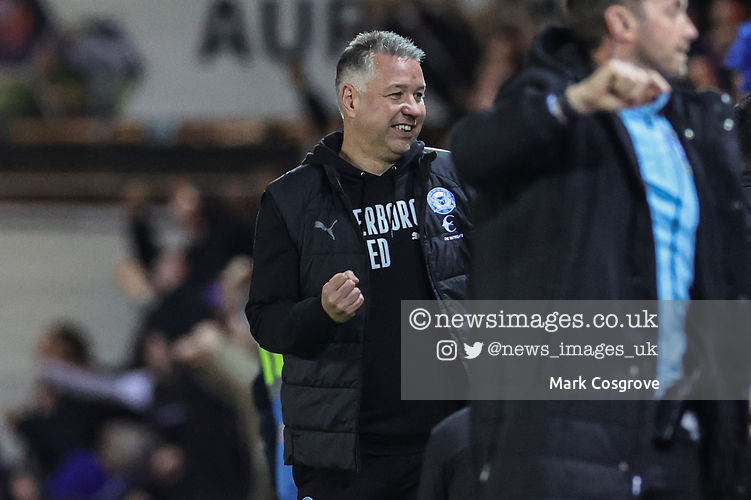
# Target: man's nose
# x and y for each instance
(691, 32)
(411, 107)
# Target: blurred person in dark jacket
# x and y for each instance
(598, 179)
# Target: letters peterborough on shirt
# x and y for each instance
(378, 220)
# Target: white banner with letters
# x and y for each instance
(223, 58)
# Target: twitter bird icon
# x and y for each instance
(472, 351)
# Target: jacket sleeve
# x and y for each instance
(517, 137)
(280, 319)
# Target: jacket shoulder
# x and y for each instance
(298, 178)
(295, 189)
(442, 163)
(443, 170)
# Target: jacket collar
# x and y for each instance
(326, 153)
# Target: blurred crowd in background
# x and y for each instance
(473, 47)
(187, 414)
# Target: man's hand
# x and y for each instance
(614, 86)
(340, 296)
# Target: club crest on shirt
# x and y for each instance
(441, 200)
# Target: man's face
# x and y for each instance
(666, 33)
(390, 111)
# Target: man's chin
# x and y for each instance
(402, 147)
(679, 70)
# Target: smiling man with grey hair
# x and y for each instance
(340, 242)
(356, 64)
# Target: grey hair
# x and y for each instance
(356, 62)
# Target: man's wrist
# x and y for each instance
(569, 111)
(561, 109)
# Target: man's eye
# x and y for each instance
(675, 8)
(396, 95)
(419, 96)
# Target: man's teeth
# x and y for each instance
(406, 128)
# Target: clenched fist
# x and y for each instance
(614, 86)
(340, 296)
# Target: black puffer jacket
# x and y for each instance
(295, 257)
(563, 209)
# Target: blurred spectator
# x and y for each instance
(124, 450)
(705, 72)
(23, 26)
(54, 424)
(91, 71)
(213, 234)
(205, 455)
(115, 470)
(25, 30)
(739, 59)
(205, 284)
(711, 56)
(229, 370)
(87, 70)
(725, 16)
(200, 445)
(22, 485)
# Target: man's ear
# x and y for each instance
(348, 99)
(622, 23)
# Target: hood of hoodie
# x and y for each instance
(556, 48)
(327, 151)
(360, 188)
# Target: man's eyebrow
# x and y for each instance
(402, 86)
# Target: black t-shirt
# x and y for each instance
(386, 209)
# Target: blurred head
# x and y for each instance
(666, 33)
(156, 353)
(125, 447)
(380, 89)
(65, 342)
(586, 18)
(725, 18)
(655, 34)
(186, 204)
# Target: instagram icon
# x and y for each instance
(445, 350)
